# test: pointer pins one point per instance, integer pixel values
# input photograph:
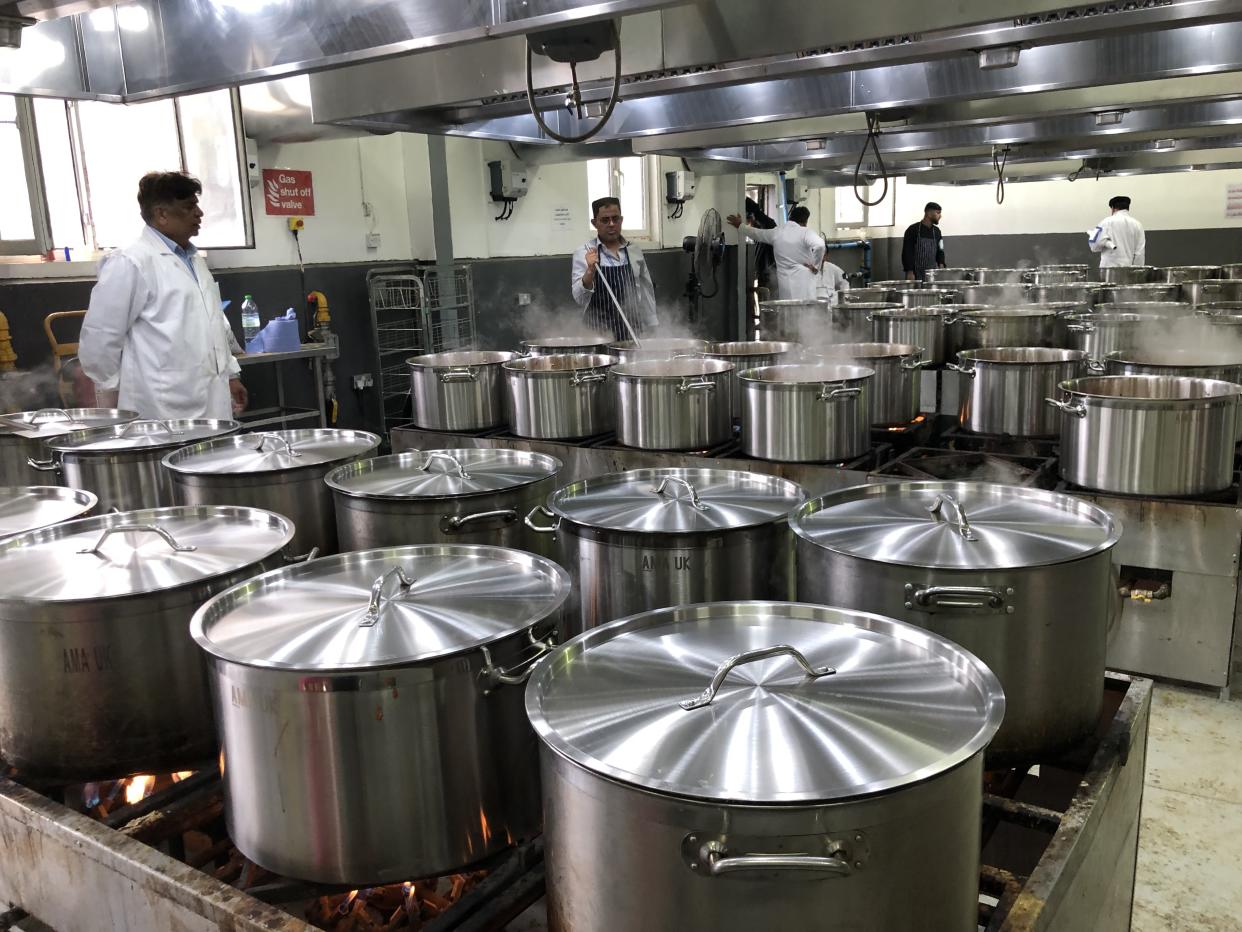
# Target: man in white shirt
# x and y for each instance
(799, 253)
(621, 264)
(155, 330)
(831, 282)
(1119, 239)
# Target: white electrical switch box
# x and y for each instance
(679, 186)
(509, 180)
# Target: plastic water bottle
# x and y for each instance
(251, 322)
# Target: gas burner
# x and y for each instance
(961, 465)
(957, 439)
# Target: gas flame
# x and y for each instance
(487, 831)
(181, 775)
(139, 788)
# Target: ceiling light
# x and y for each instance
(1110, 117)
(935, 163)
(1005, 57)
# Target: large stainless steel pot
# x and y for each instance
(817, 413)
(1103, 332)
(1135, 294)
(1002, 391)
(1080, 267)
(555, 397)
(1211, 291)
(1019, 577)
(1079, 294)
(282, 471)
(895, 389)
(1045, 277)
(98, 676)
(652, 538)
(1231, 270)
(913, 326)
(996, 294)
(794, 321)
(748, 354)
(460, 496)
(1222, 314)
(1176, 274)
(580, 344)
(927, 297)
(652, 348)
(996, 327)
(1160, 308)
(370, 723)
(757, 766)
(123, 464)
(935, 276)
(30, 507)
(673, 404)
(1222, 365)
(872, 294)
(458, 391)
(1001, 276)
(1148, 434)
(23, 433)
(1128, 274)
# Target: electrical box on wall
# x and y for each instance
(254, 174)
(679, 186)
(509, 180)
(796, 191)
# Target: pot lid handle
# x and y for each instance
(946, 502)
(265, 437)
(62, 415)
(438, 454)
(150, 528)
(694, 493)
(705, 698)
(376, 605)
(167, 425)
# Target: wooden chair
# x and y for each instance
(69, 389)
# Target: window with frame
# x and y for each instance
(85, 184)
(851, 213)
(629, 180)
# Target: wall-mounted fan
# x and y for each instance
(706, 253)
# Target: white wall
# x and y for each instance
(344, 173)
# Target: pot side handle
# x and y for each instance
(529, 521)
(494, 676)
(1073, 409)
(706, 696)
(450, 523)
(715, 861)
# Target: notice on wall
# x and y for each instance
(562, 218)
(1233, 200)
(288, 192)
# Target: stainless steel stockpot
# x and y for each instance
(1001, 276)
(997, 294)
(995, 327)
(99, 678)
(580, 344)
(1080, 295)
(456, 496)
(872, 294)
(1002, 391)
(1102, 332)
(895, 390)
(1019, 577)
(1148, 434)
(915, 326)
(673, 404)
(30, 507)
(762, 766)
(815, 412)
(653, 348)
(370, 725)
(123, 464)
(1211, 291)
(24, 433)
(1042, 277)
(282, 471)
(651, 538)
(927, 297)
(559, 396)
(935, 276)
(1223, 365)
(749, 354)
(1159, 308)
(1177, 274)
(1128, 275)
(1138, 294)
(819, 323)
(458, 391)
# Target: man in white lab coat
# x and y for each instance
(798, 252)
(155, 330)
(832, 282)
(1119, 239)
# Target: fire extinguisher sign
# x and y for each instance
(288, 192)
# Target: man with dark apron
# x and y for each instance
(922, 248)
(622, 266)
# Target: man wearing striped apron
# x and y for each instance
(621, 264)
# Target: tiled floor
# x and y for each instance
(1190, 842)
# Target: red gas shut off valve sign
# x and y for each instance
(288, 192)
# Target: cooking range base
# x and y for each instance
(1060, 842)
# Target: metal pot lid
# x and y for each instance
(380, 608)
(712, 702)
(582, 339)
(271, 451)
(682, 368)
(143, 435)
(676, 501)
(657, 345)
(25, 508)
(956, 525)
(135, 552)
(52, 422)
(732, 348)
(1173, 357)
(462, 359)
(428, 474)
